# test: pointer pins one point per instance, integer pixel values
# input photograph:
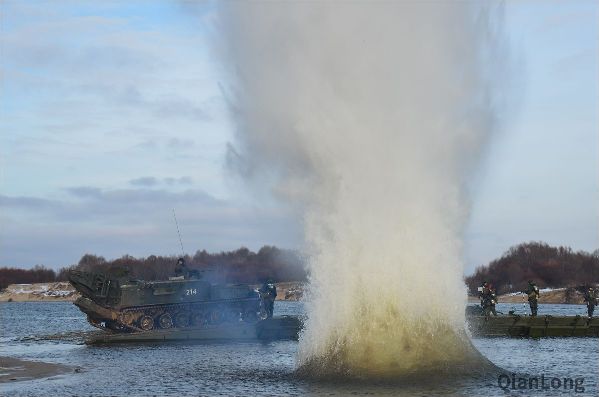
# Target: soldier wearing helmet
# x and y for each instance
(181, 269)
(533, 297)
(590, 297)
(269, 294)
(488, 299)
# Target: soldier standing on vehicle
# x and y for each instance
(533, 297)
(493, 296)
(590, 297)
(269, 294)
(481, 290)
(181, 268)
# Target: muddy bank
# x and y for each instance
(14, 369)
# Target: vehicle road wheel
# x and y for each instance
(232, 316)
(182, 320)
(198, 319)
(250, 316)
(146, 323)
(165, 321)
(216, 317)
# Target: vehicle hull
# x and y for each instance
(121, 305)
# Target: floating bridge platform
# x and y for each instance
(289, 327)
(533, 327)
(278, 327)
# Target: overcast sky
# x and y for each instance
(111, 115)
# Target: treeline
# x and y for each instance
(549, 267)
(239, 266)
(39, 274)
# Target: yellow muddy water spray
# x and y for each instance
(370, 117)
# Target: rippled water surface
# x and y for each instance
(262, 368)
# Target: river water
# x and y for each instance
(266, 368)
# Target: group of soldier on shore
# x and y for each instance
(488, 298)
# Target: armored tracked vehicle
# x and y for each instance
(123, 305)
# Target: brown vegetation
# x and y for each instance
(39, 274)
(549, 267)
(239, 266)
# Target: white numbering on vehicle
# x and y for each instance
(191, 291)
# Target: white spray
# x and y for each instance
(370, 117)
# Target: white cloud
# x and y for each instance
(139, 222)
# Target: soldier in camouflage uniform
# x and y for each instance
(533, 297)
(488, 299)
(590, 297)
(181, 268)
(269, 294)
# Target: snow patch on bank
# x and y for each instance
(542, 291)
(39, 291)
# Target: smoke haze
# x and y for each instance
(370, 118)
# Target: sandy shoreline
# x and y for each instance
(14, 369)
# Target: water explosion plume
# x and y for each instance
(371, 118)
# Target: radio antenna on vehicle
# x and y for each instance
(178, 233)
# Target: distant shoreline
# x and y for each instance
(286, 291)
(564, 296)
(62, 291)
